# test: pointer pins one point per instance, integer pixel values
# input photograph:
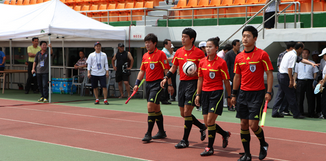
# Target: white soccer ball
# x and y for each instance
(189, 68)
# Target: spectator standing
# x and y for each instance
(286, 81)
(31, 51)
(98, 71)
(169, 54)
(317, 97)
(269, 12)
(123, 68)
(322, 82)
(81, 64)
(2, 60)
(202, 46)
(306, 75)
(230, 58)
(41, 68)
(222, 53)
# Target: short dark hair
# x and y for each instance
(191, 33)
(215, 40)
(307, 50)
(234, 42)
(43, 42)
(166, 41)
(298, 46)
(290, 44)
(81, 51)
(151, 37)
(34, 38)
(228, 47)
(251, 29)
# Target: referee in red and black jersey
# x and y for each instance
(188, 84)
(154, 64)
(212, 72)
(249, 67)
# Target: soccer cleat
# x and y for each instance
(208, 151)
(106, 102)
(245, 157)
(182, 144)
(263, 151)
(203, 133)
(41, 99)
(147, 138)
(159, 135)
(226, 139)
(97, 102)
(45, 100)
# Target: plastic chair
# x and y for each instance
(82, 79)
(187, 14)
(123, 15)
(113, 15)
(129, 5)
(63, 1)
(111, 83)
(39, 1)
(85, 8)
(103, 15)
(77, 8)
(6, 2)
(137, 14)
(237, 11)
(69, 1)
(318, 6)
(13, 2)
(26, 2)
(94, 15)
(204, 13)
(32, 2)
(19, 2)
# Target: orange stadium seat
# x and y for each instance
(123, 15)
(77, 8)
(129, 5)
(85, 8)
(137, 14)
(63, 1)
(69, 1)
(39, 1)
(149, 4)
(254, 9)
(32, 2)
(94, 15)
(232, 12)
(13, 2)
(26, 2)
(6, 2)
(19, 2)
(103, 15)
(187, 14)
(204, 13)
(113, 15)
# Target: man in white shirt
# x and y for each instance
(322, 82)
(98, 70)
(286, 81)
(306, 75)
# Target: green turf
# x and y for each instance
(17, 149)
(139, 105)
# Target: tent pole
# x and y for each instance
(50, 80)
(63, 59)
(10, 53)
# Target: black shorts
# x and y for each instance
(250, 104)
(120, 76)
(212, 102)
(187, 93)
(270, 23)
(95, 80)
(153, 91)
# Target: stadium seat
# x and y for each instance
(63, 1)
(149, 4)
(19, 2)
(123, 15)
(39, 1)
(77, 8)
(13, 2)
(85, 8)
(137, 14)
(318, 6)
(113, 15)
(94, 15)
(180, 4)
(32, 2)
(204, 13)
(6, 2)
(26, 2)
(129, 5)
(237, 11)
(104, 15)
(187, 14)
(254, 9)
(69, 1)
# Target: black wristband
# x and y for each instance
(137, 82)
(228, 97)
(198, 94)
(169, 74)
(235, 92)
(233, 95)
(270, 93)
(170, 84)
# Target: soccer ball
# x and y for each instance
(189, 68)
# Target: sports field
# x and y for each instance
(78, 130)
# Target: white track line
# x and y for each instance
(67, 113)
(103, 133)
(102, 152)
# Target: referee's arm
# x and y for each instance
(236, 84)
(269, 74)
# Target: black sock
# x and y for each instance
(187, 127)
(159, 121)
(260, 135)
(220, 130)
(211, 135)
(151, 122)
(245, 139)
(196, 122)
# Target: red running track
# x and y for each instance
(120, 133)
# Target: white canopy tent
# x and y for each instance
(53, 19)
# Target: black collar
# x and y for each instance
(250, 50)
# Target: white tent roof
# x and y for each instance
(52, 17)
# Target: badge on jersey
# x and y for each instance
(252, 67)
(165, 61)
(212, 75)
(152, 66)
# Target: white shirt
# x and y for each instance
(271, 7)
(324, 71)
(288, 61)
(221, 54)
(305, 71)
(322, 64)
(97, 58)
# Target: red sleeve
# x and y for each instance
(200, 72)
(267, 62)
(142, 66)
(224, 70)
(175, 59)
(237, 69)
(164, 61)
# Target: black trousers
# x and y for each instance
(323, 102)
(284, 92)
(165, 94)
(31, 79)
(305, 87)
